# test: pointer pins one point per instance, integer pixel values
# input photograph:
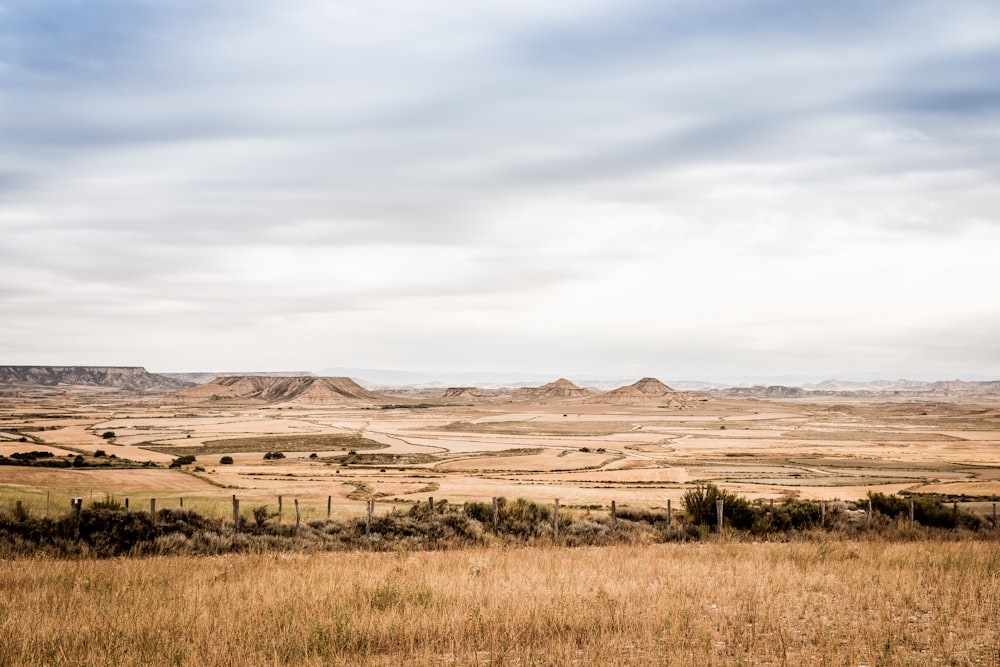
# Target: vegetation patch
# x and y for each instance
(40, 459)
(283, 443)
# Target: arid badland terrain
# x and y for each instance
(328, 446)
(639, 444)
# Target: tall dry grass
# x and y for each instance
(807, 603)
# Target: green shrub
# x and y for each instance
(226, 460)
(700, 501)
(187, 459)
(108, 503)
(927, 510)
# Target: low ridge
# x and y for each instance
(558, 390)
(301, 390)
(119, 378)
(645, 392)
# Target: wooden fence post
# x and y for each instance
(430, 505)
(182, 502)
(822, 513)
(77, 508)
(329, 506)
(280, 508)
(368, 521)
(152, 509)
(298, 517)
(614, 516)
(555, 518)
(868, 516)
(911, 513)
(670, 514)
(719, 505)
(236, 513)
(496, 513)
(126, 504)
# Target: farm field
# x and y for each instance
(803, 603)
(582, 454)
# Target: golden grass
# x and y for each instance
(822, 603)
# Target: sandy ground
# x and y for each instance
(756, 448)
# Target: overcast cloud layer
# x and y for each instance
(685, 189)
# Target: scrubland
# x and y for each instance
(825, 585)
(825, 602)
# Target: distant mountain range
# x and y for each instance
(875, 389)
(373, 386)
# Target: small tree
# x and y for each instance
(187, 459)
(226, 460)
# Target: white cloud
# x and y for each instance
(737, 188)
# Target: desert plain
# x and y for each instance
(465, 446)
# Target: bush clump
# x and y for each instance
(187, 459)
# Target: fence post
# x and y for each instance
(77, 508)
(280, 508)
(430, 505)
(182, 502)
(911, 513)
(496, 513)
(368, 521)
(236, 513)
(868, 516)
(555, 518)
(614, 516)
(822, 513)
(329, 505)
(126, 504)
(298, 517)
(152, 509)
(670, 514)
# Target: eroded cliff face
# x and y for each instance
(303, 390)
(120, 378)
(646, 392)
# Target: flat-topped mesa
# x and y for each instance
(646, 392)
(297, 389)
(122, 378)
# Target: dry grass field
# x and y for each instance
(803, 603)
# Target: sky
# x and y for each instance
(690, 189)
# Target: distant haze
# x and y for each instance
(726, 191)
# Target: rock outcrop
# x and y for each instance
(296, 390)
(647, 392)
(134, 379)
(561, 389)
